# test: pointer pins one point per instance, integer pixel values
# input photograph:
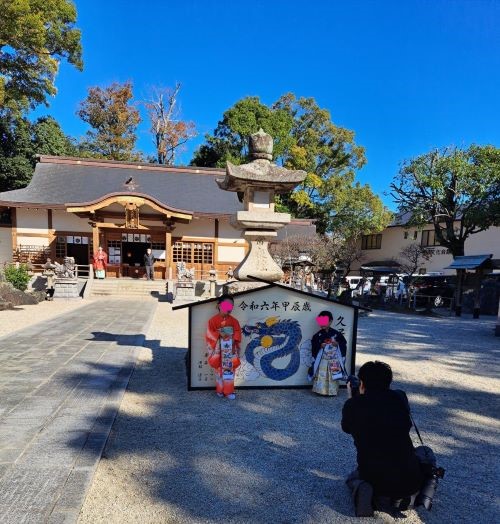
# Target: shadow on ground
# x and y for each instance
(279, 455)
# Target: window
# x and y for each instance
(428, 238)
(193, 252)
(60, 247)
(5, 217)
(415, 233)
(371, 241)
(406, 235)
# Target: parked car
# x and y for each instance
(438, 290)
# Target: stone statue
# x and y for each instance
(67, 269)
(183, 273)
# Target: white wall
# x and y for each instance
(393, 241)
(230, 254)
(202, 228)
(32, 220)
(228, 233)
(63, 221)
(5, 244)
(26, 240)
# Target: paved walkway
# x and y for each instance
(61, 384)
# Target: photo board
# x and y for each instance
(277, 326)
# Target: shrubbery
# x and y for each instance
(18, 276)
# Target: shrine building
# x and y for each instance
(72, 206)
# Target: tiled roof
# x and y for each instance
(57, 182)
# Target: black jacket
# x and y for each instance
(380, 425)
(149, 260)
(320, 336)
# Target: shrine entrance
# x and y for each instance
(126, 226)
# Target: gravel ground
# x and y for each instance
(23, 316)
(280, 456)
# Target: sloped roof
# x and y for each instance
(58, 181)
(471, 262)
(267, 285)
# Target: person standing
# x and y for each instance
(149, 261)
(223, 338)
(328, 350)
(100, 262)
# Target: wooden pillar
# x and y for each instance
(168, 254)
(95, 238)
(14, 230)
(477, 293)
(52, 234)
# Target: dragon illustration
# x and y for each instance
(274, 339)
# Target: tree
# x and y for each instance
(304, 138)
(169, 131)
(456, 190)
(113, 121)
(49, 139)
(230, 139)
(410, 260)
(21, 141)
(35, 35)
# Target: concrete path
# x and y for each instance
(61, 384)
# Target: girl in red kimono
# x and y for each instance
(223, 340)
(100, 261)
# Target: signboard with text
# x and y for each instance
(277, 326)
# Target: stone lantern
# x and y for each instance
(257, 183)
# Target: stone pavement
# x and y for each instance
(61, 384)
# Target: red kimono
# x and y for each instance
(223, 351)
(99, 263)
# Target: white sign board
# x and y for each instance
(278, 324)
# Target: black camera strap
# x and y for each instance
(415, 426)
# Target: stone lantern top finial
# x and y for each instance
(261, 146)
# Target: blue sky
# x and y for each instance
(405, 76)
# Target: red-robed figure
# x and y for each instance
(223, 340)
(99, 263)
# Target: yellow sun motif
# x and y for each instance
(271, 321)
(266, 341)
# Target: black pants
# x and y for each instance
(383, 503)
(150, 274)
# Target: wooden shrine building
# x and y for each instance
(73, 205)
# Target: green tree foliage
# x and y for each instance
(113, 121)
(304, 138)
(17, 276)
(449, 187)
(35, 35)
(230, 139)
(21, 141)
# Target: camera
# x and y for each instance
(353, 380)
(431, 472)
(426, 494)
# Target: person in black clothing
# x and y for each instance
(149, 261)
(378, 418)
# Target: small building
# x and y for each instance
(386, 246)
(74, 205)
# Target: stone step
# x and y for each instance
(134, 288)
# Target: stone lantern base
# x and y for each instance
(258, 262)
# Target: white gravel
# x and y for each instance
(279, 455)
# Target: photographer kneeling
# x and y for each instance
(388, 474)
